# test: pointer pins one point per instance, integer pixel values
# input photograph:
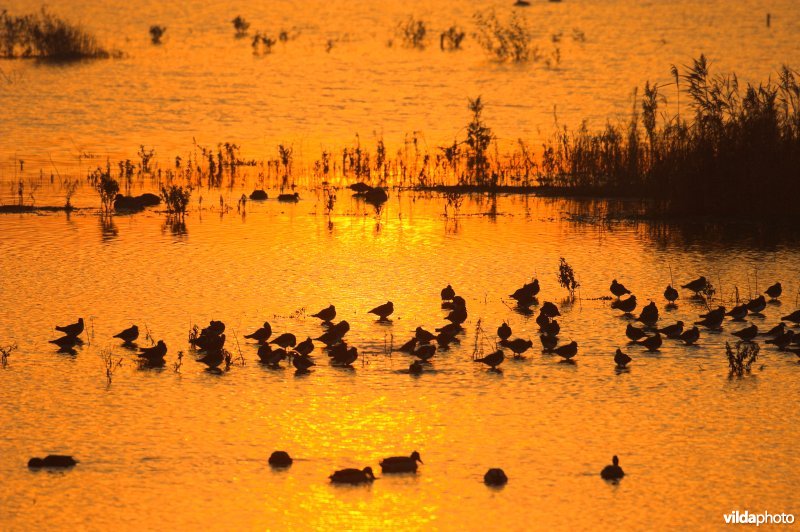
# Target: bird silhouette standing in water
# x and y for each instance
(383, 311)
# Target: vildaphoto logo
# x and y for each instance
(764, 518)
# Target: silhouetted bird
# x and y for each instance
(423, 336)
(53, 461)
(672, 331)
(353, 476)
(690, 336)
(425, 352)
(383, 311)
(66, 343)
(634, 333)
(327, 314)
(155, 353)
(652, 343)
(649, 315)
(444, 340)
(128, 335)
(612, 472)
(495, 477)
(542, 320)
(302, 362)
(550, 310)
(696, 286)
(794, 317)
(213, 359)
(261, 334)
(280, 459)
(286, 340)
(409, 346)
(670, 294)
(493, 359)
(618, 289)
(552, 328)
(567, 351)
(289, 198)
(626, 305)
(738, 313)
(346, 358)
(621, 359)
(451, 329)
(401, 464)
(457, 315)
(774, 291)
(415, 368)
(215, 328)
(548, 342)
(776, 331)
(784, 340)
(448, 293)
(335, 333)
(275, 357)
(210, 343)
(526, 295)
(73, 329)
(757, 305)
(504, 331)
(457, 302)
(748, 333)
(305, 347)
(264, 353)
(712, 320)
(517, 346)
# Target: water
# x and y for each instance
(167, 449)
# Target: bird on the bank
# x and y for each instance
(305, 347)
(128, 335)
(285, 340)
(567, 351)
(634, 333)
(548, 342)
(353, 476)
(747, 334)
(774, 291)
(493, 359)
(618, 289)
(423, 336)
(155, 353)
(504, 331)
(696, 286)
(613, 471)
(73, 329)
(621, 359)
(690, 336)
(652, 343)
(327, 315)
(425, 352)
(626, 305)
(383, 311)
(401, 464)
(672, 331)
(448, 293)
(670, 294)
(261, 334)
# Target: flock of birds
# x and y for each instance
(209, 344)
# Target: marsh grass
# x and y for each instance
(509, 40)
(741, 358)
(110, 363)
(412, 32)
(176, 198)
(105, 185)
(156, 32)
(566, 277)
(5, 353)
(43, 35)
(451, 39)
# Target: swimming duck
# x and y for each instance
(353, 476)
(128, 335)
(495, 477)
(618, 289)
(289, 198)
(261, 334)
(612, 472)
(383, 311)
(494, 359)
(401, 464)
(73, 329)
(52, 460)
(327, 315)
(280, 459)
(621, 359)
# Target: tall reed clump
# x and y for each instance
(479, 137)
(505, 41)
(45, 36)
(176, 198)
(734, 149)
(105, 185)
(742, 358)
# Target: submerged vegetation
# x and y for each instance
(43, 35)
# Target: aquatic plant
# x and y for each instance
(504, 41)
(176, 198)
(70, 187)
(43, 35)
(262, 43)
(156, 32)
(451, 39)
(479, 136)
(740, 360)
(412, 32)
(566, 276)
(110, 364)
(176, 366)
(5, 352)
(240, 25)
(105, 185)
